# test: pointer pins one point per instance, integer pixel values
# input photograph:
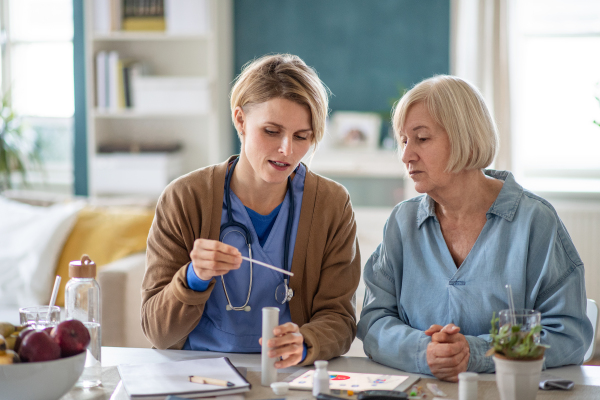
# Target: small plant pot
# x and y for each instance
(517, 379)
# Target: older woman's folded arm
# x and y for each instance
(562, 303)
(565, 326)
(386, 337)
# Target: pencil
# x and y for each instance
(210, 381)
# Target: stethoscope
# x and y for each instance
(283, 292)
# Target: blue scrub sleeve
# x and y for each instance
(195, 283)
(303, 352)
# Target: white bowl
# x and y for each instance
(44, 380)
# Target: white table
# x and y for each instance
(586, 378)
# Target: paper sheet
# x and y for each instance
(357, 382)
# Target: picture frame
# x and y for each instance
(355, 130)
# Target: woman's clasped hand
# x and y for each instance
(448, 352)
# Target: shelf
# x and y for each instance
(193, 114)
(132, 114)
(146, 36)
(357, 163)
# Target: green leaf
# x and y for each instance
(514, 343)
(16, 154)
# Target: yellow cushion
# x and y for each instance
(106, 235)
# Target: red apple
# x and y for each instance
(21, 336)
(39, 346)
(72, 336)
(48, 330)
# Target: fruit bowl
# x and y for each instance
(44, 380)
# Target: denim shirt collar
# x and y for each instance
(505, 205)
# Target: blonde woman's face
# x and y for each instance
(275, 136)
(425, 150)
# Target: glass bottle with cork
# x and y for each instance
(82, 302)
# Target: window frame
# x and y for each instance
(55, 175)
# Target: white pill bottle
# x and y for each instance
(321, 378)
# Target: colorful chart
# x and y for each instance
(350, 380)
(339, 377)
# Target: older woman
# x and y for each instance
(446, 256)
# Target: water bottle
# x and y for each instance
(321, 378)
(82, 302)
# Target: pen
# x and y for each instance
(210, 381)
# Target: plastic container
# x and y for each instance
(467, 386)
(280, 388)
(82, 302)
(321, 378)
(270, 319)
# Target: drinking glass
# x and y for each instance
(38, 316)
(527, 319)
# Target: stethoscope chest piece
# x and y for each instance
(283, 293)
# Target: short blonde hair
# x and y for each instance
(460, 109)
(283, 76)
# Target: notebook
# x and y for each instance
(156, 381)
(354, 381)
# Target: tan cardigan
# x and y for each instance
(326, 263)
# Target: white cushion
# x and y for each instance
(31, 240)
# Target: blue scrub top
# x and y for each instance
(239, 331)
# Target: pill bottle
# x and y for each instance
(321, 378)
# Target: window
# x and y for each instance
(37, 68)
(556, 77)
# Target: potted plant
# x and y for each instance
(17, 151)
(518, 358)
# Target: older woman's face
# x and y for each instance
(425, 150)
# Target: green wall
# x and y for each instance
(362, 49)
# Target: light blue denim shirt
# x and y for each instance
(412, 282)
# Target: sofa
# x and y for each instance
(40, 233)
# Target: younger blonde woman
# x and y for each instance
(198, 293)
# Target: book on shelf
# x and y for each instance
(116, 12)
(156, 381)
(143, 15)
(114, 79)
(102, 16)
(178, 17)
(101, 81)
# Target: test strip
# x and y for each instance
(283, 271)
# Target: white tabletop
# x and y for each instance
(586, 378)
(113, 356)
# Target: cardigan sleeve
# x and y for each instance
(331, 327)
(170, 309)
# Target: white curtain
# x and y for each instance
(479, 53)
